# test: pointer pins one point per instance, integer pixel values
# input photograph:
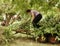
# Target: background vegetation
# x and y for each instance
(50, 23)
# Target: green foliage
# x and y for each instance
(49, 24)
(1, 18)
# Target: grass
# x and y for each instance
(27, 42)
(23, 41)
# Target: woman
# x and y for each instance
(36, 17)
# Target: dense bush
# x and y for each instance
(49, 9)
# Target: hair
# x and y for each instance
(29, 10)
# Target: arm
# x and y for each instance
(32, 17)
(4, 16)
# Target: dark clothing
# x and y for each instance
(36, 20)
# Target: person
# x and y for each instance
(9, 18)
(36, 17)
